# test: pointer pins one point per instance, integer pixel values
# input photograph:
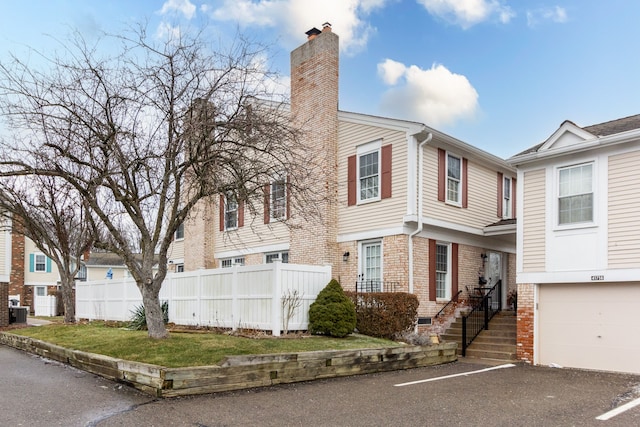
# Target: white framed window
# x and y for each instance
(443, 271)
(278, 198)
(575, 194)
(368, 169)
(41, 291)
(506, 198)
(230, 212)
(371, 266)
(276, 256)
(179, 268)
(454, 179)
(230, 262)
(40, 263)
(180, 232)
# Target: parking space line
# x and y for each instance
(462, 374)
(620, 409)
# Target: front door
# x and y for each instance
(494, 273)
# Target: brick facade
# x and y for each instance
(4, 306)
(16, 277)
(199, 237)
(525, 321)
(314, 106)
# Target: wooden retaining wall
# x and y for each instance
(240, 372)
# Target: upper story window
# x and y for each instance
(279, 198)
(369, 176)
(230, 212)
(454, 179)
(506, 198)
(180, 232)
(575, 194)
(39, 263)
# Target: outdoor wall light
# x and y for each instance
(345, 256)
(484, 257)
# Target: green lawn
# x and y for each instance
(184, 349)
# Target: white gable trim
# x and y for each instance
(567, 128)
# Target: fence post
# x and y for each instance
(234, 297)
(276, 312)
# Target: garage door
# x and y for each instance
(590, 326)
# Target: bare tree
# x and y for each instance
(49, 211)
(144, 134)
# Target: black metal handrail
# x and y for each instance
(376, 286)
(480, 315)
(451, 301)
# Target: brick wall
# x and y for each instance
(199, 237)
(525, 322)
(4, 304)
(16, 277)
(314, 106)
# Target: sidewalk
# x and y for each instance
(37, 322)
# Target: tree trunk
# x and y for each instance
(68, 300)
(153, 310)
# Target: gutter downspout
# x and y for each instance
(419, 198)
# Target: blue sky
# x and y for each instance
(501, 75)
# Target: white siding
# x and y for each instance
(533, 219)
(384, 213)
(624, 205)
(482, 193)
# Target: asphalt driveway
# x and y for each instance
(36, 392)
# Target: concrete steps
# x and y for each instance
(496, 343)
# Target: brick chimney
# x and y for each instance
(314, 107)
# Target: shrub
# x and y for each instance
(332, 313)
(385, 314)
(138, 320)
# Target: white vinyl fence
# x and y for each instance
(239, 297)
(45, 305)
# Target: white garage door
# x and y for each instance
(590, 326)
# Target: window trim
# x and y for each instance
(232, 261)
(363, 150)
(228, 212)
(460, 180)
(280, 257)
(448, 277)
(507, 201)
(556, 203)
(279, 179)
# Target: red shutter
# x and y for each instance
(465, 183)
(454, 269)
(513, 198)
(287, 190)
(241, 213)
(267, 199)
(432, 270)
(221, 212)
(351, 181)
(442, 170)
(385, 191)
(500, 193)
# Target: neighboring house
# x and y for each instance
(578, 268)
(404, 206)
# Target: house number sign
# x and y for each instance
(595, 278)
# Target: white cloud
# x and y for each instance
(435, 96)
(294, 17)
(555, 14)
(467, 13)
(166, 31)
(182, 6)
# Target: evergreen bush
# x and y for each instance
(332, 313)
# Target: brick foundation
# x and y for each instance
(525, 322)
(4, 304)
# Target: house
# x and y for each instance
(404, 206)
(578, 257)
